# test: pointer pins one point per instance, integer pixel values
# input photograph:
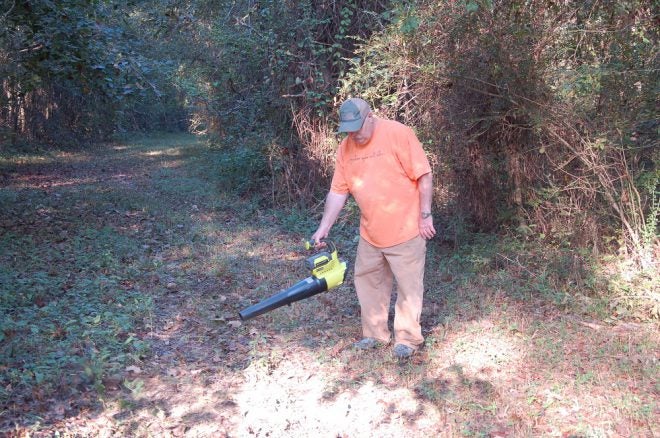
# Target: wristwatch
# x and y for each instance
(426, 214)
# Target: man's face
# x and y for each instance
(363, 136)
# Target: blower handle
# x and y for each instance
(310, 244)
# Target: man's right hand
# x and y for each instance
(318, 236)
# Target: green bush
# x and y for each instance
(241, 171)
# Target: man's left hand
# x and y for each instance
(426, 229)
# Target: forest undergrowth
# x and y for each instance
(123, 267)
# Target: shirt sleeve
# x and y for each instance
(411, 155)
(339, 183)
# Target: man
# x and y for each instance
(381, 163)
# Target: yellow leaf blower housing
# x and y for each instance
(328, 271)
(326, 265)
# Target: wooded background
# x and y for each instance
(540, 116)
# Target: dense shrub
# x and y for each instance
(535, 111)
(79, 70)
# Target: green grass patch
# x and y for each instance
(565, 277)
(67, 316)
(80, 239)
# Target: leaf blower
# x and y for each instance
(328, 271)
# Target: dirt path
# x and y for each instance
(494, 364)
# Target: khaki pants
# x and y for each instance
(375, 272)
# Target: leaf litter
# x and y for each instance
(492, 365)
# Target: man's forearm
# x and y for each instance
(334, 202)
(425, 185)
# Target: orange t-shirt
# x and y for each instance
(382, 177)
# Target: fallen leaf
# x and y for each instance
(133, 369)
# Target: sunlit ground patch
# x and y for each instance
(482, 347)
(160, 152)
(291, 399)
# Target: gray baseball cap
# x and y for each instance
(352, 114)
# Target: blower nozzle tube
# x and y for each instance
(303, 289)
